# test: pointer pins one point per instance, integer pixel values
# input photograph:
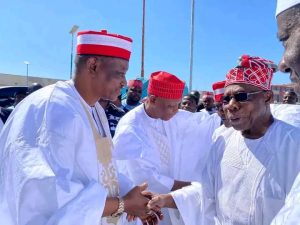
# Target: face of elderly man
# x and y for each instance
(289, 34)
(247, 115)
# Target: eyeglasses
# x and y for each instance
(239, 97)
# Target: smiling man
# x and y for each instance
(251, 167)
(56, 149)
(162, 145)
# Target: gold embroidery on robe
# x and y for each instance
(108, 175)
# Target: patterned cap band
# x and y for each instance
(255, 71)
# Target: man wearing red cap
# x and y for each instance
(158, 144)
(251, 167)
(56, 150)
(133, 95)
(220, 116)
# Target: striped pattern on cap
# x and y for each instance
(103, 43)
(218, 89)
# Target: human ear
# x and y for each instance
(269, 97)
(92, 64)
(152, 98)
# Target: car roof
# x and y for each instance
(9, 91)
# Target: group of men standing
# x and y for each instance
(60, 166)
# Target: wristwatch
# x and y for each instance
(120, 209)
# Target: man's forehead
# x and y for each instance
(188, 98)
(135, 88)
(285, 22)
(233, 88)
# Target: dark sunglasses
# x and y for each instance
(239, 97)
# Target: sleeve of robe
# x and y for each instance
(135, 162)
(290, 213)
(42, 190)
(196, 203)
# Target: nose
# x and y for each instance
(123, 82)
(283, 67)
(233, 105)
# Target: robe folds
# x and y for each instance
(160, 152)
(245, 181)
(48, 162)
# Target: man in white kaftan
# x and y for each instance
(247, 186)
(55, 150)
(252, 166)
(58, 162)
(218, 89)
(162, 152)
(287, 15)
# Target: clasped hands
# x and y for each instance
(136, 203)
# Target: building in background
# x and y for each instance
(16, 80)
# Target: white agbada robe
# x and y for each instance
(48, 162)
(287, 112)
(245, 181)
(160, 152)
(290, 212)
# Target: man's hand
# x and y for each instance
(136, 209)
(135, 203)
(162, 201)
(153, 218)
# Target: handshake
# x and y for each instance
(143, 204)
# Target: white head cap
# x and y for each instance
(283, 5)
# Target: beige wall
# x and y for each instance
(16, 80)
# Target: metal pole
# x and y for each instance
(143, 39)
(192, 46)
(71, 64)
(27, 74)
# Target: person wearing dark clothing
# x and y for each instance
(113, 114)
(4, 114)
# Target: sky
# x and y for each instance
(38, 31)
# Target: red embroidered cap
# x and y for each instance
(165, 85)
(255, 71)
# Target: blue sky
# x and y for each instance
(37, 31)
